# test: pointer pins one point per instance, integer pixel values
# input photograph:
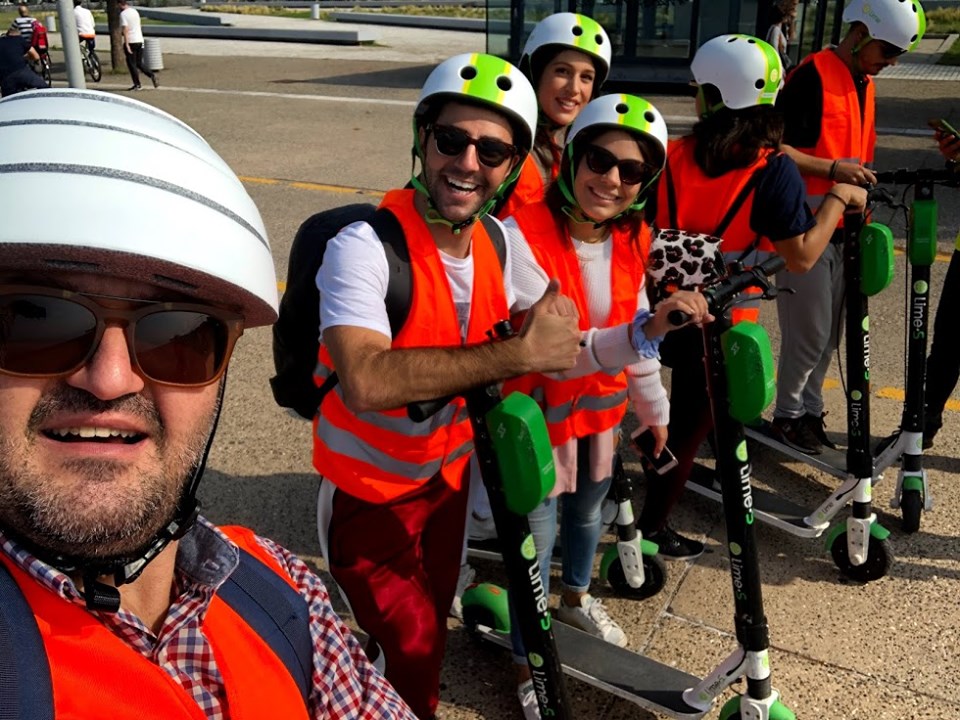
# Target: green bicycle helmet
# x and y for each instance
(901, 23)
(745, 70)
(565, 30)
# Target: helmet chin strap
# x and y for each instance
(125, 569)
(433, 216)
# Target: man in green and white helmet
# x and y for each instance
(829, 106)
(392, 505)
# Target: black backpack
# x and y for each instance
(296, 332)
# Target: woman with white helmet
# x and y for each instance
(117, 322)
(589, 233)
(726, 179)
(829, 108)
(567, 59)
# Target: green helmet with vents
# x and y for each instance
(569, 30)
(901, 23)
(745, 70)
(487, 81)
(629, 113)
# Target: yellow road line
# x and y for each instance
(315, 187)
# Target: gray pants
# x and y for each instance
(809, 322)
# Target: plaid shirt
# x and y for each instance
(345, 683)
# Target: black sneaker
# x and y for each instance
(818, 426)
(155, 79)
(675, 546)
(795, 433)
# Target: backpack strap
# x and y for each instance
(26, 690)
(277, 613)
(495, 231)
(400, 282)
(734, 208)
(671, 194)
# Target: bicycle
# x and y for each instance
(91, 63)
(42, 67)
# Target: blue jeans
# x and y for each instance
(580, 529)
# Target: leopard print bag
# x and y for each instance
(681, 260)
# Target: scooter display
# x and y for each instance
(641, 680)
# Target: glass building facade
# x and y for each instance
(655, 40)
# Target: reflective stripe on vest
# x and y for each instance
(845, 133)
(381, 455)
(582, 406)
(88, 666)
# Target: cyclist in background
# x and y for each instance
(25, 22)
(85, 25)
(16, 74)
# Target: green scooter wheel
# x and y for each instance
(878, 564)
(778, 711)
(486, 605)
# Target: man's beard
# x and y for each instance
(67, 520)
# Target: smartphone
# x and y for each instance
(943, 126)
(645, 442)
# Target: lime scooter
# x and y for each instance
(646, 682)
(510, 437)
(912, 495)
(860, 547)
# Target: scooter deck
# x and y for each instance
(832, 462)
(633, 677)
(768, 507)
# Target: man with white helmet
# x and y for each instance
(117, 598)
(393, 500)
(829, 107)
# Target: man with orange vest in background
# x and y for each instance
(829, 107)
(393, 499)
(117, 599)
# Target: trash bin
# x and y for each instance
(50, 23)
(315, 11)
(152, 57)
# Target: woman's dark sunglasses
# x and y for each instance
(632, 172)
(46, 332)
(452, 141)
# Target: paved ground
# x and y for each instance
(310, 128)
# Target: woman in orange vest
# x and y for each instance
(589, 233)
(729, 178)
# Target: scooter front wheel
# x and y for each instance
(654, 578)
(879, 559)
(911, 506)
(778, 711)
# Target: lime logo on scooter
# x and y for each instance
(538, 676)
(529, 553)
(746, 491)
(918, 314)
(736, 570)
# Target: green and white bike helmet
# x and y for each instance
(166, 209)
(625, 112)
(745, 70)
(901, 23)
(483, 80)
(569, 30)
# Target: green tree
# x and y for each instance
(116, 36)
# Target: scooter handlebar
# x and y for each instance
(719, 295)
(902, 176)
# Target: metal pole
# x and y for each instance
(71, 44)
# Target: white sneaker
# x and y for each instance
(467, 574)
(480, 529)
(528, 701)
(592, 617)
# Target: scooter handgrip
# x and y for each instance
(678, 317)
(423, 410)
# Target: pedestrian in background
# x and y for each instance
(133, 45)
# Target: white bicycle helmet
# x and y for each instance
(746, 70)
(569, 30)
(901, 23)
(617, 112)
(100, 183)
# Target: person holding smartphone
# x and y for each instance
(943, 364)
(589, 233)
(828, 106)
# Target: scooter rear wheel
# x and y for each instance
(879, 559)
(911, 506)
(654, 578)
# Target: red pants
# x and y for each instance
(398, 563)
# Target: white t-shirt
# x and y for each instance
(353, 279)
(85, 25)
(130, 19)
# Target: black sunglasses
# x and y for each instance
(46, 332)
(452, 141)
(632, 172)
(889, 50)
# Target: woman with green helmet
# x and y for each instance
(729, 180)
(590, 234)
(567, 59)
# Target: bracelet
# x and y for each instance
(648, 348)
(831, 193)
(833, 170)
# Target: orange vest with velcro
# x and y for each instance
(587, 405)
(96, 674)
(703, 201)
(845, 133)
(378, 456)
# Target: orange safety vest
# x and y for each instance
(378, 456)
(95, 673)
(530, 187)
(587, 405)
(703, 201)
(843, 135)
